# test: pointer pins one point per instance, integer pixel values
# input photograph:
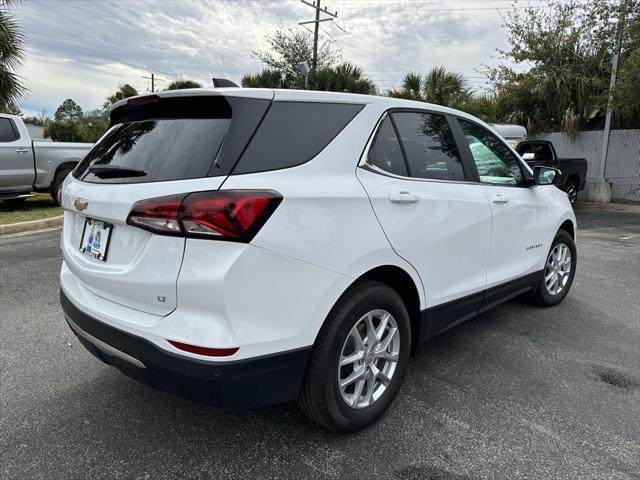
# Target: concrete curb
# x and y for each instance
(31, 226)
(618, 207)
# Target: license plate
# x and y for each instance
(95, 238)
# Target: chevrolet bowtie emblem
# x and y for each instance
(80, 204)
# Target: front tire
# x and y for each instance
(358, 360)
(559, 270)
(56, 185)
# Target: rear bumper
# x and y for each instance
(237, 384)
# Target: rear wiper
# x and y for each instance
(115, 171)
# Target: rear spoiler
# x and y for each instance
(223, 82)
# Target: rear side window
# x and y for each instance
(7, 131)
(429, 146)
(385, 153)
(158, 150)
(293, 133)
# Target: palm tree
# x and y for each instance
(438, 86)
(446, 88)
(11, 54)
(180, 84)
(346, 77)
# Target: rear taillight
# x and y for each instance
(235, 215)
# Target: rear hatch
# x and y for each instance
(157, 146)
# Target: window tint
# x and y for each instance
(542, 151)
(495, 162)
(7, 133)
(169, 149)
(385, 153)
(292, 133)
(429, 146)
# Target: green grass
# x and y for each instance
(35, 208)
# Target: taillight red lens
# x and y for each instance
(235, 215)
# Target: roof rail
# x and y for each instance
(223, 82)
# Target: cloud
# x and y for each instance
(83, 49)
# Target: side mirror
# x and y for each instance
(545, 175)
(529, 156)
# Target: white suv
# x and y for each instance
(244, 247)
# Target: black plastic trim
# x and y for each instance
(235, 384)
(440, 318)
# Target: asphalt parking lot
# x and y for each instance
(520, 392)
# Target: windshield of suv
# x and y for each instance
(166, 149)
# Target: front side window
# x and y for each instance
(385, 153)
(429, 146)
(495, 162)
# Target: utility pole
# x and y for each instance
(314, 63)
(153, 81)
(606, 134)
(319, 10)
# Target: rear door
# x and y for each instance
(161, 147)
(17, 171)
(433, 218)
(519, 211)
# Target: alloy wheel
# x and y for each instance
(557, 269)
(368, 359)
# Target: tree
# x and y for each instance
(446, 88)
(626, 99)
(567, 49)
(438, 86)
(482, 106)
(70, 124)
(40, 119)
(346, 77)
(68, 111)
(267, 78)
(181, 84)
(289, 48)
(124, 91)
(11, 54)
(92, 128)
(60, 131)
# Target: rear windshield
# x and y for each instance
(155, 150)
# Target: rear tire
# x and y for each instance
(559, 271)
(56, 184)
(361, 311)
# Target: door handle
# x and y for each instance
(22, 150)
(499, 198)
(403, 197)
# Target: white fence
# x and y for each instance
(623, 164)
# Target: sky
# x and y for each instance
(82, 49)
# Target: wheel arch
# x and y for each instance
(568, 227)
(573, 177)
(66, 164)
(402, 282)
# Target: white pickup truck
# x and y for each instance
(27, 166)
